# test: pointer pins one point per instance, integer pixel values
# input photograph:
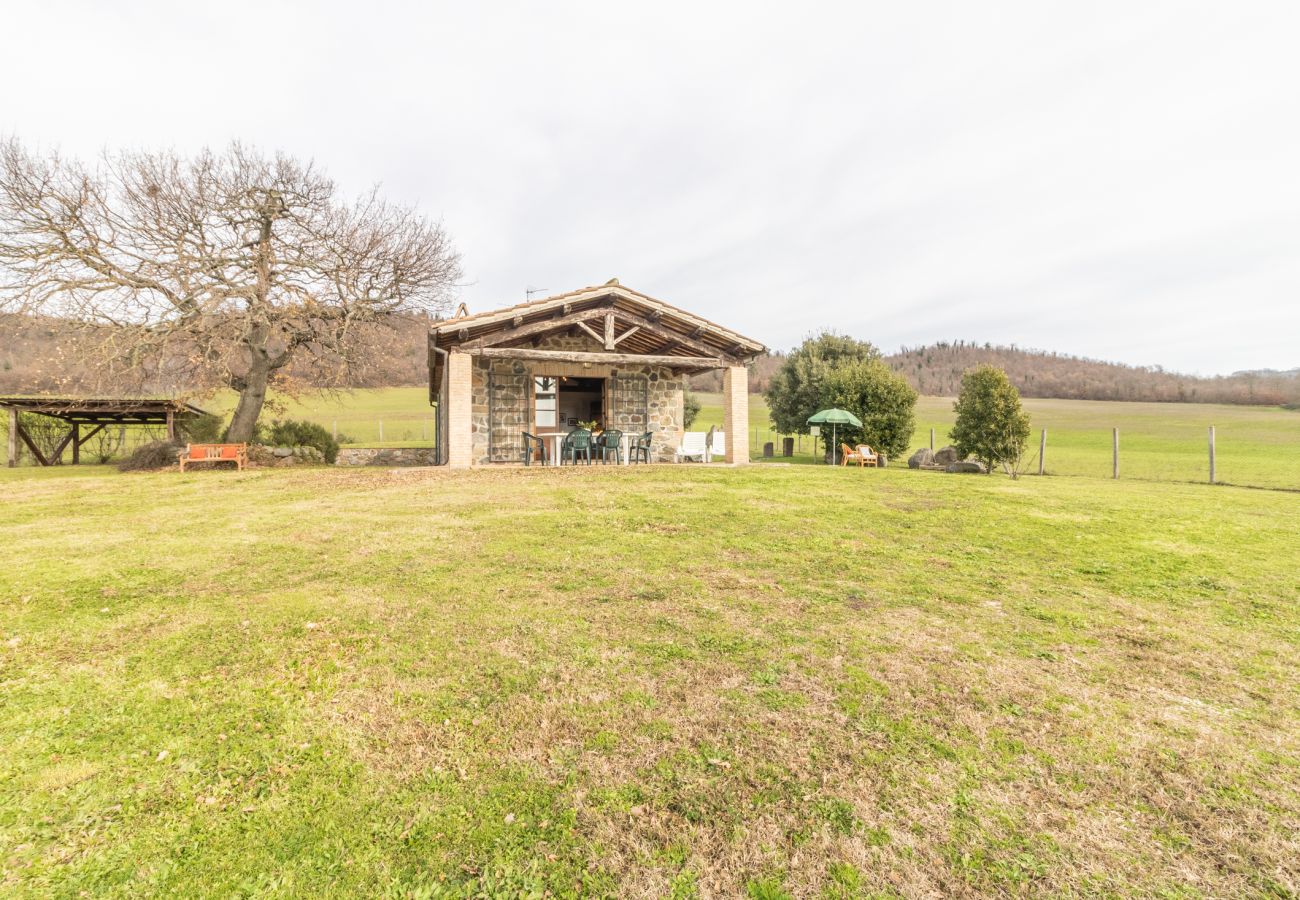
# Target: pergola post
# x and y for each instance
(76, 444)
(171, 426)
(13, 437)
(460, 409)
(735, 413)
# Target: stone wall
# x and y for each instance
(385, 456)
(648, 398)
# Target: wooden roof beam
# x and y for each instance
(631, 331)
(576, 356)
(537, 328)
(674, 339)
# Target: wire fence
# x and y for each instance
(1242, 454)
(1208, 454)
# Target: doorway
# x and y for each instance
(562, 402)
(581, 400)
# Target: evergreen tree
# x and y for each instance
(991, 425)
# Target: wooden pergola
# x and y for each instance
(97, 413)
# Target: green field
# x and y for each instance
(657, 681)
(1257, 446)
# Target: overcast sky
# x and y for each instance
(1116, 180)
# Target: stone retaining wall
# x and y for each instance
(385, 456)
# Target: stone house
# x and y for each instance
(607, 354)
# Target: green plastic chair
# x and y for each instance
(576, 442)
(529, 441)
(611, 442)
(640, 449)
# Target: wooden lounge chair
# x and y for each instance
(862, 455)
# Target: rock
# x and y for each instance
(391, 456)
(282, 452)
(968, 465)
(921, 458)
(259, 455)
(946, 456)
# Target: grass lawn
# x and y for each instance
(658, 681)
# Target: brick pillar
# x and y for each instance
(460, 435)
(735, 413)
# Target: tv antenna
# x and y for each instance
(529, 291)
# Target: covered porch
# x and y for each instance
(606, 360)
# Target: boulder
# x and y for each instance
(946, 456)
(921, 458)
(283, 452)
(968, 465)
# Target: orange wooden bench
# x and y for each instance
(214, 453)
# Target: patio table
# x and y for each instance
(555, 436)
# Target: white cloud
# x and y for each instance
(1113, 179)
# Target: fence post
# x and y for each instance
(1042, 451)
(1211, 454)
(931, 439)
(1115, 453)
(13, 436)
(336, 429)
(381, 431)
(424, 429)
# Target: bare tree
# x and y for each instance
(215, 271)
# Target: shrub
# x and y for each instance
(204, 429)
(831, 370)
(291, 433)
(106, 443)
(991, 425)
(877, 395)
(690, 409)
(153, 455)
(797, 389)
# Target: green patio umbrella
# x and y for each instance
(834, 418)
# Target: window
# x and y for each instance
(545, 394)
